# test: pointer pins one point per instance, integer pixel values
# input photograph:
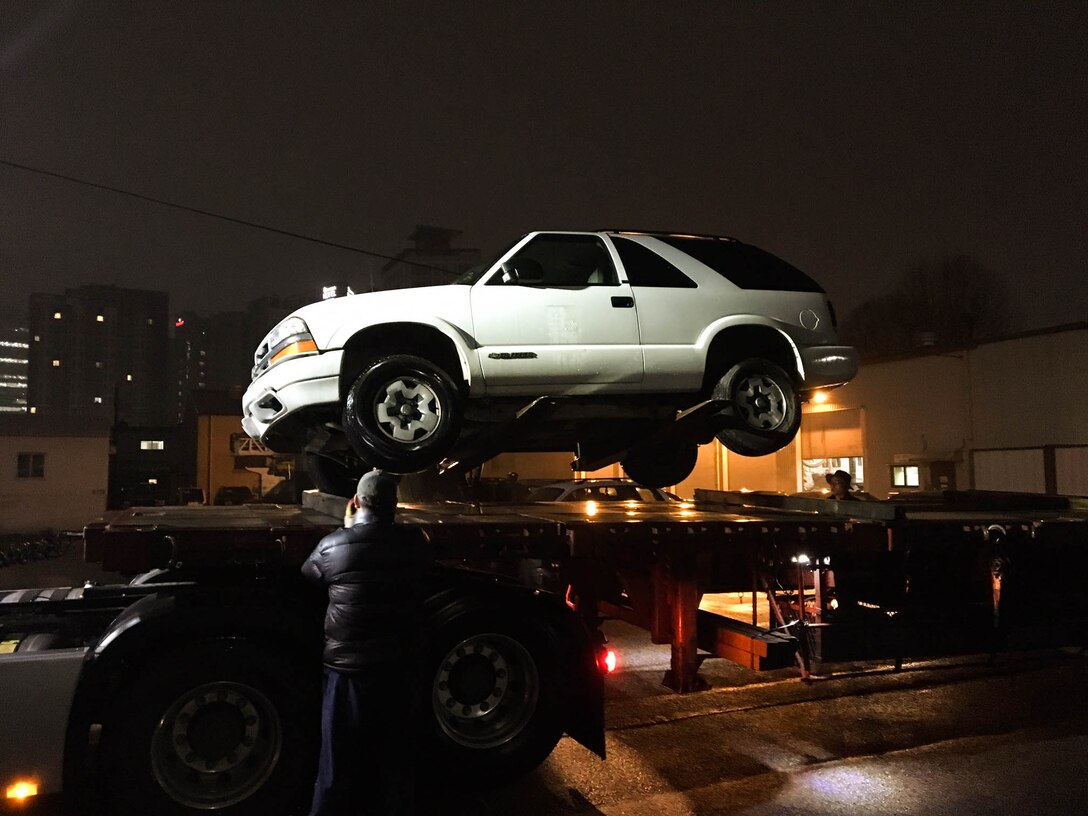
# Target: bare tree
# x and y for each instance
(945, 304)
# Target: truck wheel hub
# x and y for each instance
(485, 691)
(472, 681)
(216, 745)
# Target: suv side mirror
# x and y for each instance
(522, 270)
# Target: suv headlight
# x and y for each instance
(290, 337)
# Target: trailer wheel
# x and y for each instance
(766, 406)
(221, 726)
(493, 699)
(402, 414)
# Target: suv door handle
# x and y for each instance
(623, 303)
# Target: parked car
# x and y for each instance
(191, 496)
(616, 331)
(234, 494)
(599, 490)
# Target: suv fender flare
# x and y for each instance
(463, 347)
(711, 332)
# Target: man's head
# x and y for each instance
(839, 482)
(376, 495)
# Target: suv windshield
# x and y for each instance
(475, 273)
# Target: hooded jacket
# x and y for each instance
(374, 573)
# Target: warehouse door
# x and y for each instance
(1071, 470)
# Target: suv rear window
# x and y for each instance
(645, 267)
(746, 266)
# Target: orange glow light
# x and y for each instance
(591, 508)
(819, 397)
(22, 790)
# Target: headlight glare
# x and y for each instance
(291, 336)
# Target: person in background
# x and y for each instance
(373, 570)
(840, 483)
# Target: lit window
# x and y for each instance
(151, 321)
(128, 377)
(57, 315)
(30, 466)
(37, 338)
(33, 409)
(905, 476)
(152, 481)
(98, 400)
(100, 318)
(98, 364)
(56, 364)
(151, 444)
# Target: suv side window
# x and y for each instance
(563, 260)
(645, 267)
(744, 265)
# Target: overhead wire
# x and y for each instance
(218, 216)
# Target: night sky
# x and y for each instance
(853, 140)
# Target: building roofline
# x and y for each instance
(939, 350)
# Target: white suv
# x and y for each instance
(587, 341)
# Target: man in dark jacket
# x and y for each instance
(374, 573)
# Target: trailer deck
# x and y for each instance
(826, 580)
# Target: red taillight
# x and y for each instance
(607, 660)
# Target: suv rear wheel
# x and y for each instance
(402, 414)
(766, 407)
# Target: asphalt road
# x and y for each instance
(960, 737)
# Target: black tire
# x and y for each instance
(492, 709)
(661, 465)
(337, 475)
(219, 726)
(766, 407)
(402, 414)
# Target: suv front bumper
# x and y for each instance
(826, 366)
(288, 387)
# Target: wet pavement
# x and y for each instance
(963, 736)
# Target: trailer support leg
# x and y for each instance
(683, 589)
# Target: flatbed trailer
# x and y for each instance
(217, 622)
(196, 686)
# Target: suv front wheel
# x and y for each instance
(402, 414)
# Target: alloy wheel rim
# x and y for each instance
(761, 402)
(407, 410)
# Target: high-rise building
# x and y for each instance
(14, 362)
(215, 352)
(101, 351)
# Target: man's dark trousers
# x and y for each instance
(366, 763)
